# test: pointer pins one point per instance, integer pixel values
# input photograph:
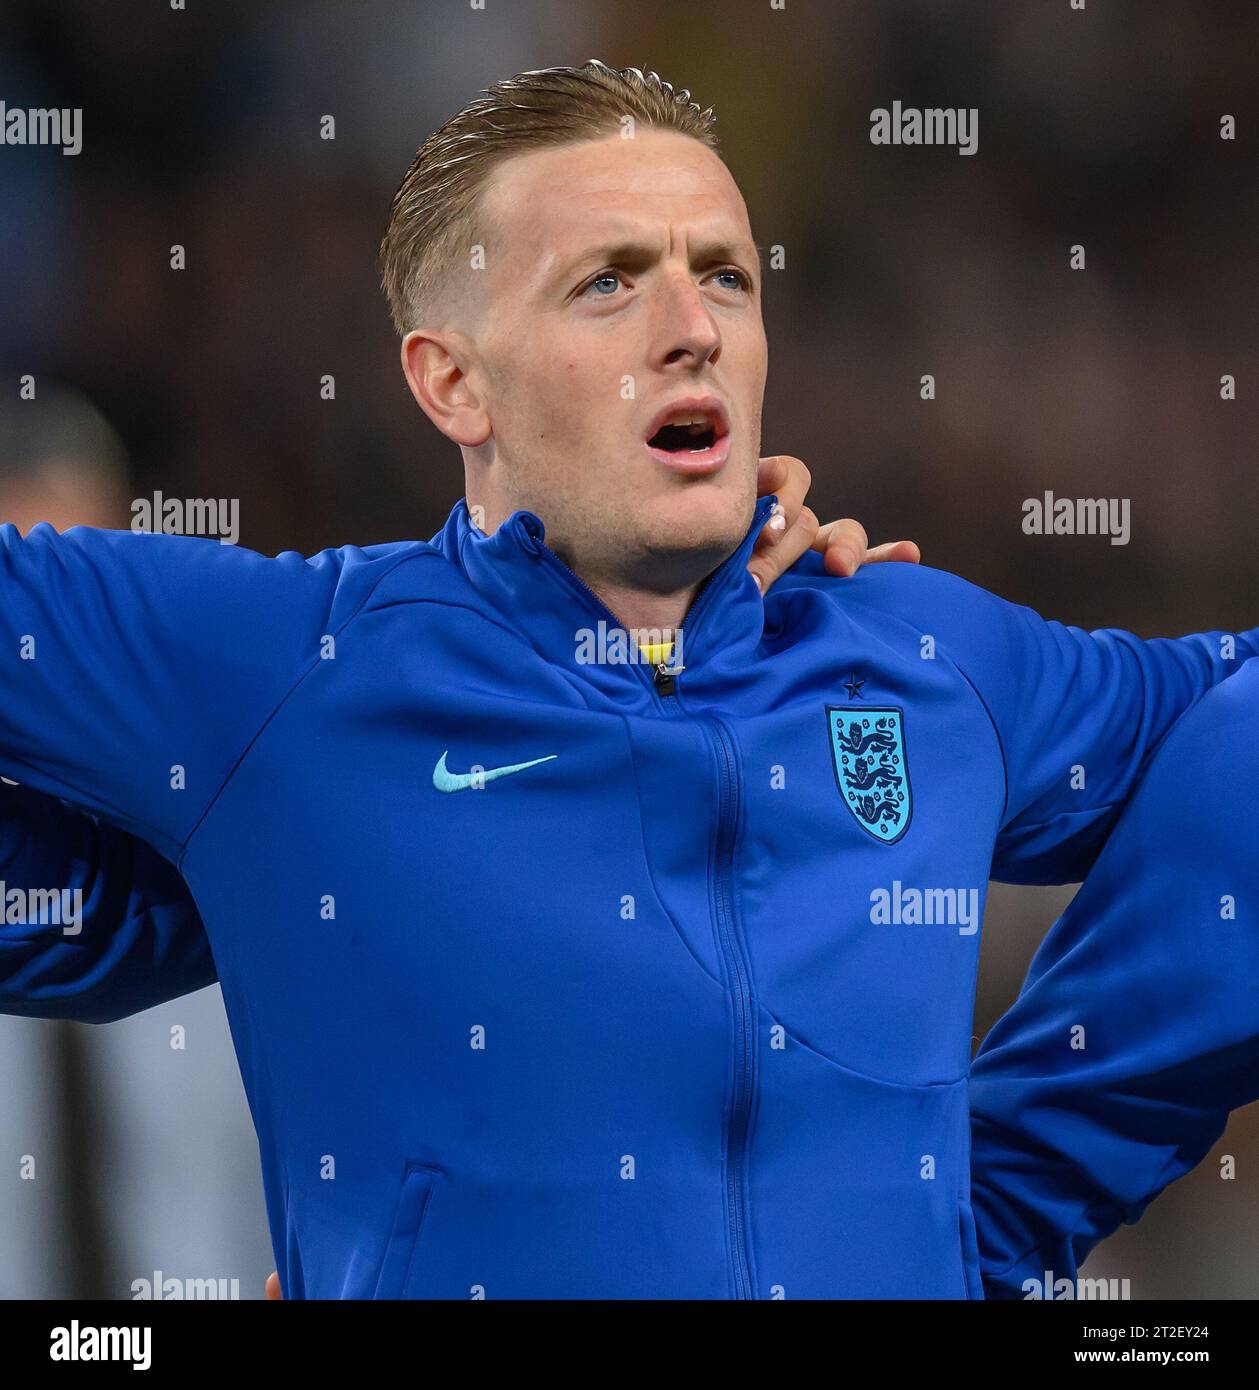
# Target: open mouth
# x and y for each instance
(692, 435)
(693, 438)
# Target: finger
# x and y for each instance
(904, 551)
(771, 474)
(843, 544)
(847, 529)
(767, 564)
(789, 480)
(273, 1285)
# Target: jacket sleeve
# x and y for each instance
(124, 935)
(136, 669)
(1137, 1029)
(1076, 714)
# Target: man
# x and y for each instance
(553, 973)
(1137, 1029)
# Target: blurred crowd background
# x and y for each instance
(202, 128)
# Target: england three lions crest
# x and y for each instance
(868, 752)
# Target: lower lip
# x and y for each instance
(694, 461)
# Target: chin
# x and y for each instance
(709, 520)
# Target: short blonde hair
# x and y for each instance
(432, 217)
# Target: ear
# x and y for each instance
(434, 365)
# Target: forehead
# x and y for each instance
(553, 199)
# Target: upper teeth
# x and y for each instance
(695, 423)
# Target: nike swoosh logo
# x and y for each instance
(446, 781)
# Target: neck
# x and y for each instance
(632, 606)
(636, 608)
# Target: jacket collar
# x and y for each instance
(528, 585)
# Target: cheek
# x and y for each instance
(567, 398)
(561, 405)
(758, 357)
(753, 375)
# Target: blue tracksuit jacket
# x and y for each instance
(1155, 963)
(560, 977)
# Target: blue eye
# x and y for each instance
(610, 281)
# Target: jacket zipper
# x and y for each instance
(744, 1039)
(741, 985)
(664, 681)
(739, 1121)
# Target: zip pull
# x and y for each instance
(665, 678)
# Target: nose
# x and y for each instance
(687, 330)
